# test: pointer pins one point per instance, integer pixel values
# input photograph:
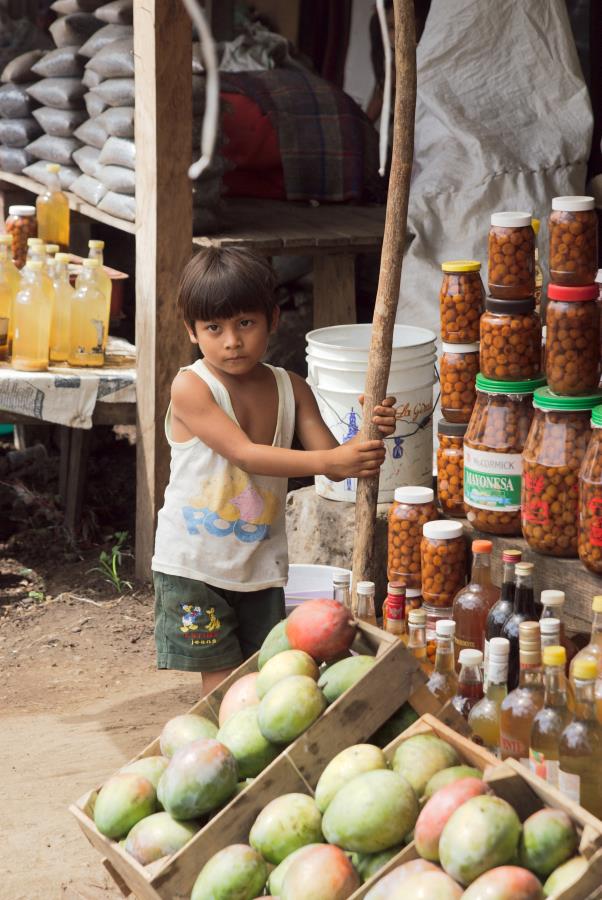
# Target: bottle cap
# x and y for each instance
(549, 625)
(524, 568)
(90, 264)
(512, 556)
(34, 242)
(53, 167)
(509, 307)
(460, 348)
(452, 429)
(482, 546)
(572, 204)
(470, 657)
(554, 656)
(21, 210)
(365, 587)
(414, 495)
(341, 576)
(499, 647)
(552, 598)
(412, 593)
(52, 248)
(492, 386)
(396, 588)
(597, 603)
(96, 245)
(442, 530)
(585, 669)
(543, 398)
(511, 219)
(34, 265)
(461, 265)
(417, 617)
(572, 294)
(529, 643)
(62, 257)
(445, 628)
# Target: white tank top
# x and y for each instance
(219, 524)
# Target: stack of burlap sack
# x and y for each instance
(18, 127)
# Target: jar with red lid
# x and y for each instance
(461, 301)
(552, 458)
(411, 508)
(590, 499)
(22, 225)
(459, 367)
(573, 231)
(443, 562)
(450, 468)
(510, 347)
(511, 272)
(572, 353)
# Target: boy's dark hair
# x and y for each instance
(221, 282)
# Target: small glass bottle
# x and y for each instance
(53, 210)
(552, 718)
(341, 588)
(96, 251)
(443, 681)
(521, 705)
(417, 634)
(394, 608)
(502, 610)
(473, 602)
(9, 286)
(580, 748)
(365, 610)
(51, 251)
(470, 682)
(87, 319)
(484, 717)
(36, 249)
(524, 610)
(550, 632)
(32, 315)
(552, 603)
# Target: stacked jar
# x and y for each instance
(443, 561)
(412, 507)
(450, 468)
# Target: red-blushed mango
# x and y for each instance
(427, 886)
(240, 695)
(383, 888)
(121, 802)
(437, 811)
(323, 628)
(325, 873)
(284, 825)
(342, 675)
(276, 877)
(347, 764)
(482, 833)
(447, 776)
(420, 757)
(275, 642)
(152, 767)
(548, 839)
(200, 777)
(505, 883)
(565, 875)
(289, 708)
(157, 836)
(289, 662)
(235, 873)
(185, 729)
(241, 735)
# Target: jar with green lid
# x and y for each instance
(493, 445)
(461, 301)
(552, 457)
(590, 499)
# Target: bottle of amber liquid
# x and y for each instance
(484, 718)
(394, 608)
(443, 682)
(580, 748)
(470, 682)
(473, 602)
(552, 718)
(523, 703)
(417, 636)
(524, 611)
(502, 610)
(365, 610)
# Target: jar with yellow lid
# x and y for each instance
(461, 301)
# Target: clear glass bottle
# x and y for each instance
(96, 251)
(550, 632)
(341, 588)
(394, 608)
(36, 249)
(417, 635)
(470, 682)
(580, 748)
(9, 285)
(524, 610)
(593, 650)
(87, 319)
(365, 610)
(51, 251)
(473, 602)
(552, 604)
(521, 705)
(484, 717)
(443, 681)
(53, 210)
(551, 719)
(60, 330)
(32, 314)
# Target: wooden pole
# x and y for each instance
(379, 359)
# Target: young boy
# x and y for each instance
(220, 559)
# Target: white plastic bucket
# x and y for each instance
(337, 360)
(308, 582)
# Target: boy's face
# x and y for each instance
(236, 345)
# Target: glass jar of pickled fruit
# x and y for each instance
(459, 367)
(573, 231)
(552, 457)
(22, 225)
(493, 445)
(511, 273)
(450, 468)
(510, 348)
(461, 301)
(443, 562)
(590, 499)
(572, 357)
(411, 508)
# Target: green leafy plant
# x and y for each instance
(110, 563)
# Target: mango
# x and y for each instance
(420, 757)
(275, 642)
(289, 708)
(481, 834)
(241, 735)
(152, 767)
(438, 810)
(276, 878)
(343, 767)
(565, 875)
(200, 777)
(241, 694)
(289, 662)
(323, 628)
(371, 813)
(121, 802)
(235, 873)
(324, 873)
(368, 864)
(158, 835)
(342, 675)
(284, 825)
(384, 887)
(548, 839)
(505, 883)
(427, 886)
(185, 729)
(447, 776)
(395, 725)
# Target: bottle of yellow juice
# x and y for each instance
(88, 309)
(53, 211)
(32, 315)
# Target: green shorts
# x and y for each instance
(200, 628)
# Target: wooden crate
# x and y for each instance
(351, 719)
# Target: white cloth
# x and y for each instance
(219, 524)
(503, 122)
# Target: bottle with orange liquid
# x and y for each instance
(473, 602)
(32, 315)
(522, 704)
(10, 280)
(52, 209)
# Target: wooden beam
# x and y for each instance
(334, 290)
(163, 59)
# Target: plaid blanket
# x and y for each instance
(329, 148)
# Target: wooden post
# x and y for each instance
(379, 359)
(163, 60)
